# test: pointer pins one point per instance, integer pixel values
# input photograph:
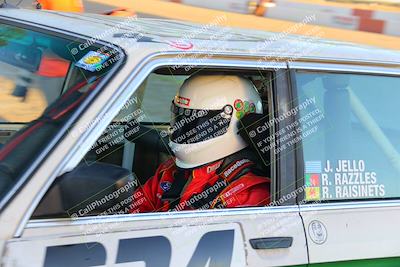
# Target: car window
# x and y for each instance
(352, 149)
(43, 80)
(132, 167)
(158, 89)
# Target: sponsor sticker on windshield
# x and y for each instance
(92, 60)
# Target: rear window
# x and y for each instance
(351, 135)
(43, 80)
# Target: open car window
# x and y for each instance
(116, 173)
(43, 80)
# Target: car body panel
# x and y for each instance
(350, 232)
(155, 245)
(247, 42)
(354, 231)
(180, 229)
(166, 43)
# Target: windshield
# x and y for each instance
(43, 79)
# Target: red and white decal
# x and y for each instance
(181, 44)
(182, 100)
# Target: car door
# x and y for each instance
(253, 236)
(349, 164)
(34, 116)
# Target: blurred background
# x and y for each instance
(370, 22)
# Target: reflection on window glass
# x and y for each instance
(354, 149)
(31, 75)
(43, 80)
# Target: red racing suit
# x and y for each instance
(206, 187)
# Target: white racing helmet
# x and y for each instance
(205, 115)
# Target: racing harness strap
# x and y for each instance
(209, 196)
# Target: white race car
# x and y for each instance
(84, 116)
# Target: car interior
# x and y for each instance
(132, 149)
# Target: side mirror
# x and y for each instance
(88, 190)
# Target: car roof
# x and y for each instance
(160, 35)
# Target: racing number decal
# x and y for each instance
(214, 247)
(153, 250)
(77, 255)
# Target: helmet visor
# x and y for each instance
(190, 126)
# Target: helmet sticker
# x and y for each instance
(238, 104)
(228, 109)
(243, 108)
(239, 114)
(246, 106)
(252, 108)
(182, 100)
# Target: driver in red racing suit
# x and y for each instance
(212, 167)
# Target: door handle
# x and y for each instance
(271, 242)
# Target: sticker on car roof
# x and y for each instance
(341, 179)
(92, 61)
(183, 45)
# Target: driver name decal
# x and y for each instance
(341, 179)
